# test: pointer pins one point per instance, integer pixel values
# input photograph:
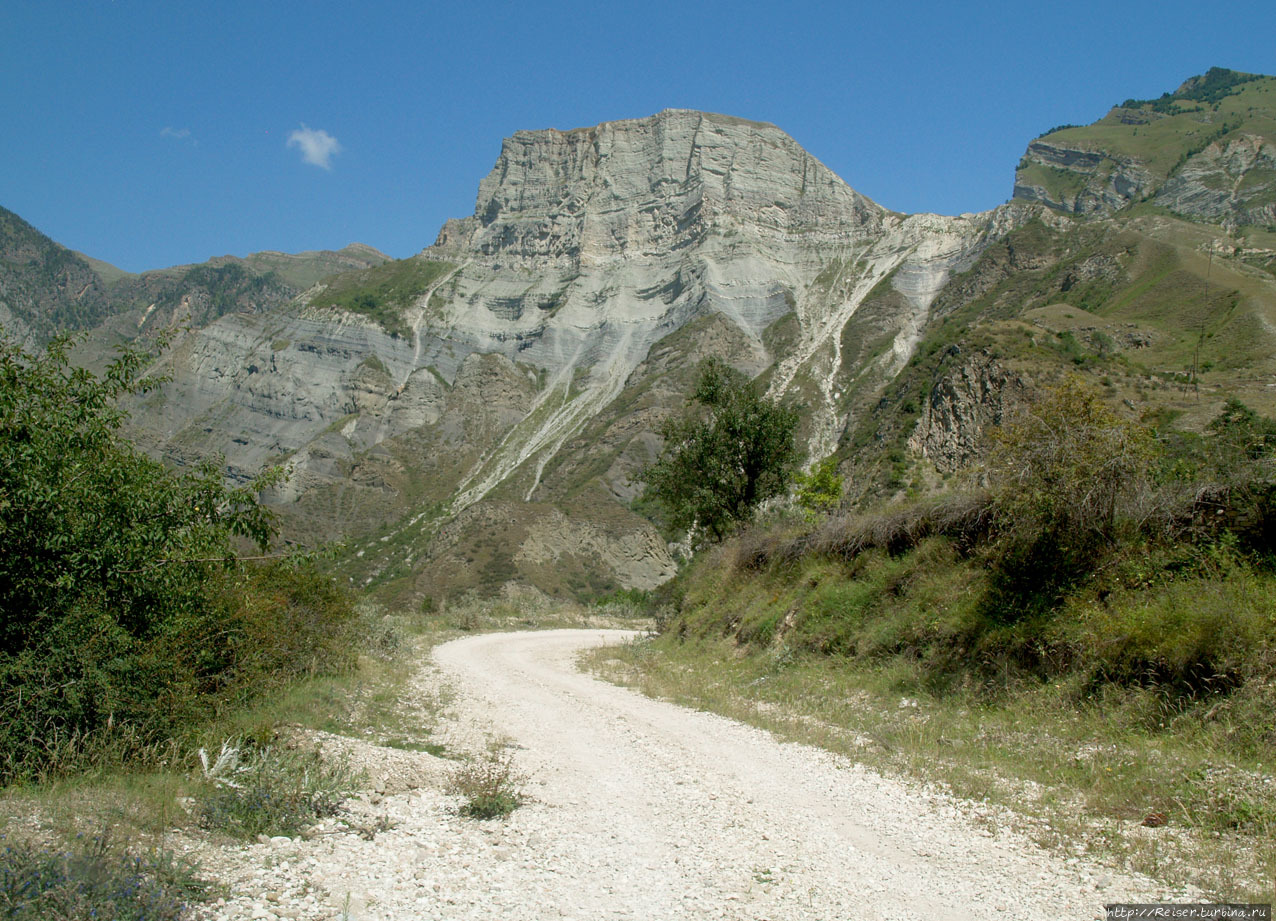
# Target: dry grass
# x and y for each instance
(966, 518)
(1080, 778)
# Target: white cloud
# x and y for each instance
(178, 134)
(317, 147)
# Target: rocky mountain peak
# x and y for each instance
(650, 185)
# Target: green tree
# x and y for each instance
(819, 491)
(731, 450)
(123, 602)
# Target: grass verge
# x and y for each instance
(1084, 778)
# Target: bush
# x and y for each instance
(1071, 470)
(129, 614)
(95, 879)
(269, 791)
(819, 491)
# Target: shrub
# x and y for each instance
(93, 879)
(492, 788)
(819, 491)
(965, 517)
(128, 612)
(1069, 468)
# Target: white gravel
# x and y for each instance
(647, 811)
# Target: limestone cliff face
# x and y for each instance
(518, 391)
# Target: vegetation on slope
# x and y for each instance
(1164, 133)
(130, 614)
(384, 292)
(46, 286)
(1112, 592)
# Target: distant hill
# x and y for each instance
(1206, 151)
(45, 287)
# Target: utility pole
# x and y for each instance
(1200, 338)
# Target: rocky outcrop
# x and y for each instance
(1232, 181)
(1080, 180)
(586, 248)
(973, 392)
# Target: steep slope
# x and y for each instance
(45, 287)
(483, 395)
(1206, 151)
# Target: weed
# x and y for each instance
(492, 787)
(95, 878)
(270, 791)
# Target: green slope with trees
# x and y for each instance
(132, 612)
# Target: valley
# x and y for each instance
(1043, 547)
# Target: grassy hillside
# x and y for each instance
(1166, 317)
(1203, 151)
(384, 292)
(1090, 642)
(1162, 133)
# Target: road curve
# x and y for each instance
(648, 811)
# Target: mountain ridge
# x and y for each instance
(477, 414)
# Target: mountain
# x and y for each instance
(479, 411)
(477, 414)
(1206, 151)
(45, 287)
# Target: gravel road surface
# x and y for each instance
(645, 811)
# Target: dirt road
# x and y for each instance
(646, 811)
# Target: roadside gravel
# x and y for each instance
(647, 811)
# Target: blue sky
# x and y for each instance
(156, 133)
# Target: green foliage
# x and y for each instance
(819, 491)
(1242, 436)
(1063, 127)
(127, 611)
(93, 879)
(383, 292)
(47, 286)
(724, 456)
(269, 791)
(1209, 89)
(1094, 560)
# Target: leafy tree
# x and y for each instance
(819, 491)
(121, 600)
(731, 450)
